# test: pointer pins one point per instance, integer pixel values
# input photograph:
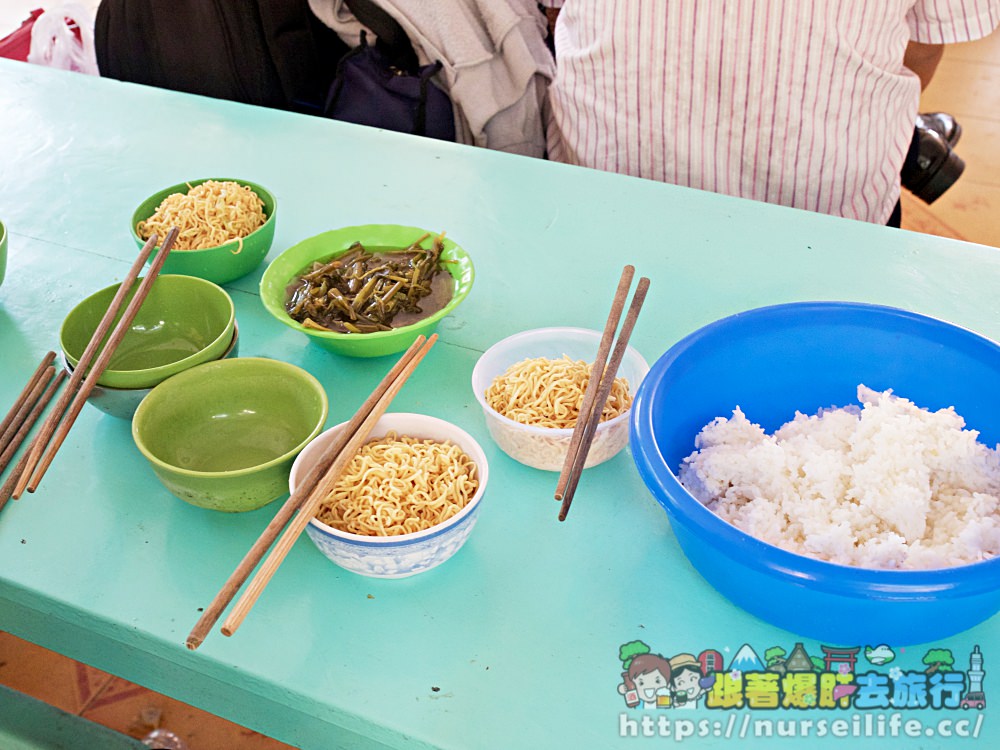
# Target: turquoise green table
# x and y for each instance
(514, 643)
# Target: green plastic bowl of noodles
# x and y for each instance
(288, 266)
(222, 263)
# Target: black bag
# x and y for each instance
(273, 53)
(384, 86)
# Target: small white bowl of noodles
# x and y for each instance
(405, 503)
(226, 226)
(530, 386)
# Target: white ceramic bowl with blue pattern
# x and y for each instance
(407, 554)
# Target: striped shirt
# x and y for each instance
(803, 103)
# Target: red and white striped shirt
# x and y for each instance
(803, 103)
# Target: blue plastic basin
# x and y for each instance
(772, 361)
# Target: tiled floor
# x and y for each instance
(116, 703)
(965, 85)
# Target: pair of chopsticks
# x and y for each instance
(92, 364)
(602, 377)
(23, 415)
(303, 503)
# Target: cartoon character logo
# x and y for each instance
(651, 681)
(687, 681)
(646, 677)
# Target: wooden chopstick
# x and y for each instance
(10, 441)
(98, 368)
(317, 496)
(8, 486)
(592, 419)
(302, 492)
(27, 465)
(26, 405)
(596, 370)
(19, 402)
(72, 399)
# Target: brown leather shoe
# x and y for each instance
(931, 167)
(941, 123)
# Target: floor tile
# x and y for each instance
(972, 210)
(30, 724)
(48, 676)
(981, 50)
(135, 711)
(964, 88)
(978, 149)
(919, 217)
(116, 703)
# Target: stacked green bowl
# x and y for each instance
(183, 322)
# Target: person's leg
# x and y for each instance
(896, 217)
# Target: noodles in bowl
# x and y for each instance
(405, 503)
(225, 226)
(400, 485)
(530, 387)
(549, 392)
(208, 215)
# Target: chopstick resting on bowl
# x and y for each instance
(305, 501)
(602, 377)
(57, 426)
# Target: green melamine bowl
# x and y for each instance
(122, 402)
(223, 435)
(183, 322)
(287, 266)
(3, 251)
(223, 263)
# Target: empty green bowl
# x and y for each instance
(122, 402)
(183, 322)
(223, 435)
(223, 263)
(3, 251)
(287, 266)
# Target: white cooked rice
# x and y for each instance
(890, 485)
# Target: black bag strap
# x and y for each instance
(393, 41)
(420, 119)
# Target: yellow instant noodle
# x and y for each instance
(208, 215)
(549, 392)
(398, 485)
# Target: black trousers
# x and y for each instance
(895, 218)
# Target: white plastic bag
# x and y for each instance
(63, 37)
